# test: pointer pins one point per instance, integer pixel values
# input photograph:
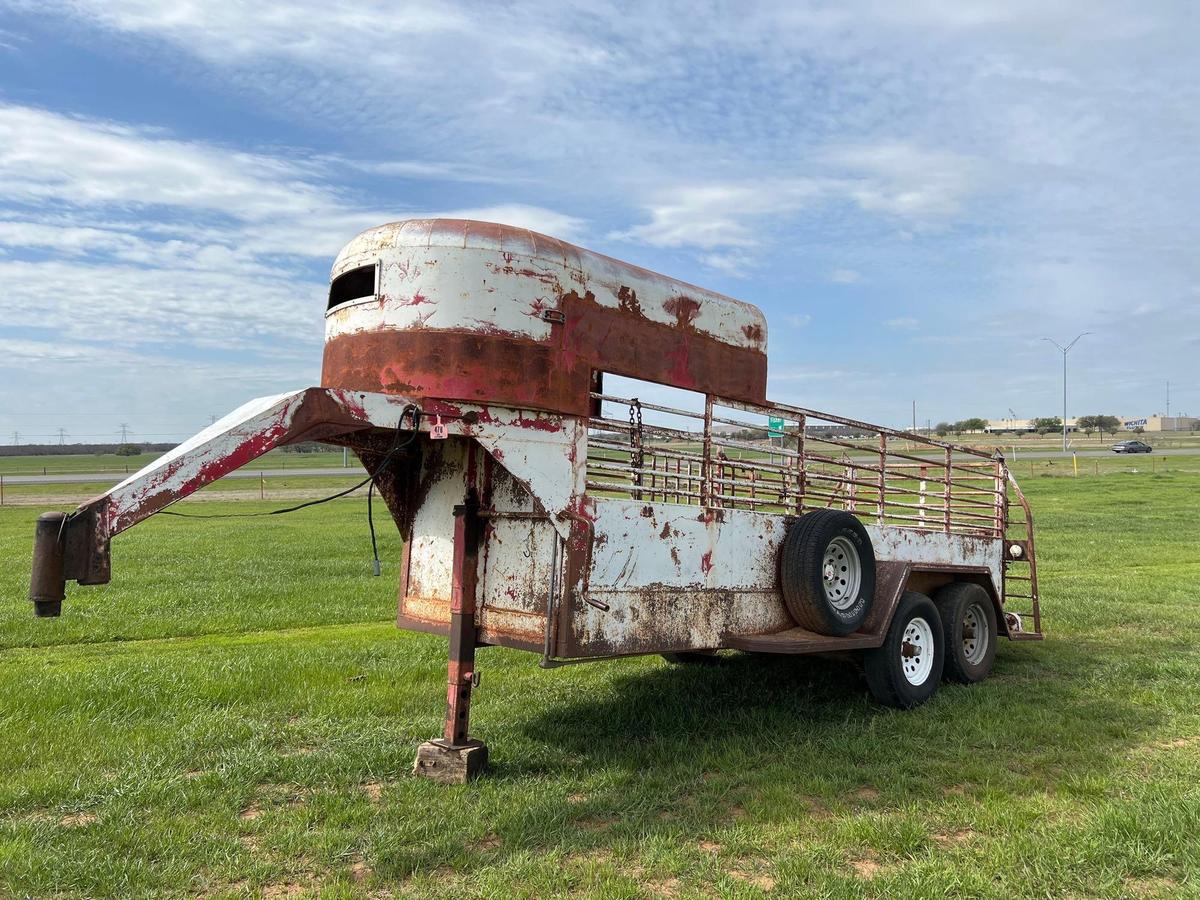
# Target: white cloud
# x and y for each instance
(902, 323)
(718, 215)
(143, 243)
(844, 276)
(798, 321)
(905, 180)
(989, 154)
(733, 262)
(535, 218)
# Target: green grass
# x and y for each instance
(253, 733)
(277, 487)
(89, 463)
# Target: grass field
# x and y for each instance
(96, 463)
(235, 715)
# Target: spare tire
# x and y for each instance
(827, 572)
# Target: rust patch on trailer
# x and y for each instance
(627, 300)
(491, 366)
(684, 309)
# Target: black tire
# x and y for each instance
(692, 658)
(885, 665)
(840, 609)
(964, 606)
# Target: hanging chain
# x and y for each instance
(635, 445)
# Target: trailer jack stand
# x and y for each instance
(456, 758)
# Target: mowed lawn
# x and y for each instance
(236, 715)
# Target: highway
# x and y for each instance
(357, 472)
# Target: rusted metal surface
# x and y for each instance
(594, 535)
(47, 586)
(461, 676)
(891, 579)
(489, 314)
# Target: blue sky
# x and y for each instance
(914, 193)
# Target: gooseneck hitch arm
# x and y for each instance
(75, 546)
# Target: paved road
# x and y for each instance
(1058, 454)
(354, 471)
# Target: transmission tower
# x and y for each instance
(124, 433)
(62, 434)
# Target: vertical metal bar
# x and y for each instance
(924, 476)
(460, 673)
(550, 649)
(882, 474)
(801, 480)
(946, 494)
(1000, 496)
(706, 491)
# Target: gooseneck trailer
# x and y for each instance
(469, 367)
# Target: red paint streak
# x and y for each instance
(552, 426)
(684, 309)
(753, 333)
(418, 298)
(706, 562)
(250, 449)
(352, 404)
(585, 508)
(681, 373)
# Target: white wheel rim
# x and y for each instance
(975, 635)
(916, 651)
(841, 573)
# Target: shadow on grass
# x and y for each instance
(808, 722)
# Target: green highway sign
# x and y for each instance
(774, 427)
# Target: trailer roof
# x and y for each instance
(613, 283)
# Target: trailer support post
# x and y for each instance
(456, 758)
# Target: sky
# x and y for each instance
(914, 193)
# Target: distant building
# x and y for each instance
(1017, 426)
(1163, 423)
(1154, 423)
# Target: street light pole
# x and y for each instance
(1065, 350)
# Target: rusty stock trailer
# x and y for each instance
(539, 512)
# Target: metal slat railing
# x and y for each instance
(881, 475)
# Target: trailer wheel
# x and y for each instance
(827, 572)
(969, 628)
(904, 672)
(692, 658)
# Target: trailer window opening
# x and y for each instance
(687, 407)
(352, 285)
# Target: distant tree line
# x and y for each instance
(1045, 425)
(960, 427)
